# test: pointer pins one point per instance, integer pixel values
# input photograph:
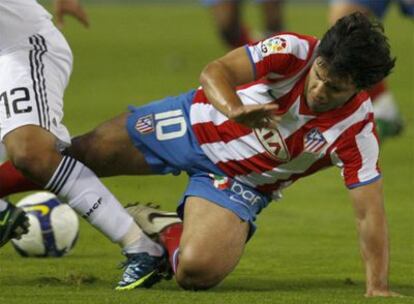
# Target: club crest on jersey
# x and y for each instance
(145, 124)
(274, 45)
(273, 143)
(314, 141)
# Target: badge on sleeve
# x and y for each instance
(145, 124)
(274, 45)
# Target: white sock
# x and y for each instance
(136, 241)
(87, 195)
(385, 107)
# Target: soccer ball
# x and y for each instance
(54, 227)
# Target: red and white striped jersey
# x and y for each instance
(304, 142)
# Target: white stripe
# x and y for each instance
(259, 93)
(239, 149)
(205, 112)
(168, 114)
(255, 94)
(369, 150)
(311, 145)
(359, 115)
(318, 145)
(298, 165)
(292, 120)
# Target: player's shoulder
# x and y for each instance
(295, 44)
(360, 121)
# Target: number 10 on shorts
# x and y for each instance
(170, 125)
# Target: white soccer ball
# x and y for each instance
(54, 227)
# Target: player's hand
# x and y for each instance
(256, 116)
(382, 293)
(70, 7)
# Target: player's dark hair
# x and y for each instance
(356, 47)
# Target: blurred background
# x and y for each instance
(305, 250)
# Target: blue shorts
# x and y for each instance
(379, 7)
(215, 2)
(162, 131)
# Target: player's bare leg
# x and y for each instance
(227, 17)
(108, 150)
(272, 11)
(211, 245)
(339, 10)
(33, 151)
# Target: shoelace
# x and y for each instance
(139, 259)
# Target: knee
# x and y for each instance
(30, 156)
(197, 271)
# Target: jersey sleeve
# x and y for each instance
(357, 155)
(283, 55)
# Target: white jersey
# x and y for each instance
(35, 65)
(20, 19)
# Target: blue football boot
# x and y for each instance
(142, 270)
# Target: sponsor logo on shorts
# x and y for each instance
(145, 124)
(220, 182)
(246, 194)
(242, 195)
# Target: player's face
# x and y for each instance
(324, 92)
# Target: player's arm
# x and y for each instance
(69, 7)
(368, 203)
(219, 80)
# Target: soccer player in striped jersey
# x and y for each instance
(266, 115)
(35, 66)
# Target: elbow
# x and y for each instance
(203, 76)
(208, 73)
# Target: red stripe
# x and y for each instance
(287, 100)
(377, 90)
(258, 163)
(207, 132)
(317, 166)
(283, 64)
(200, 97)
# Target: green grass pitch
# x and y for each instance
(305, 250)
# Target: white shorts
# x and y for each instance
(33, 78)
